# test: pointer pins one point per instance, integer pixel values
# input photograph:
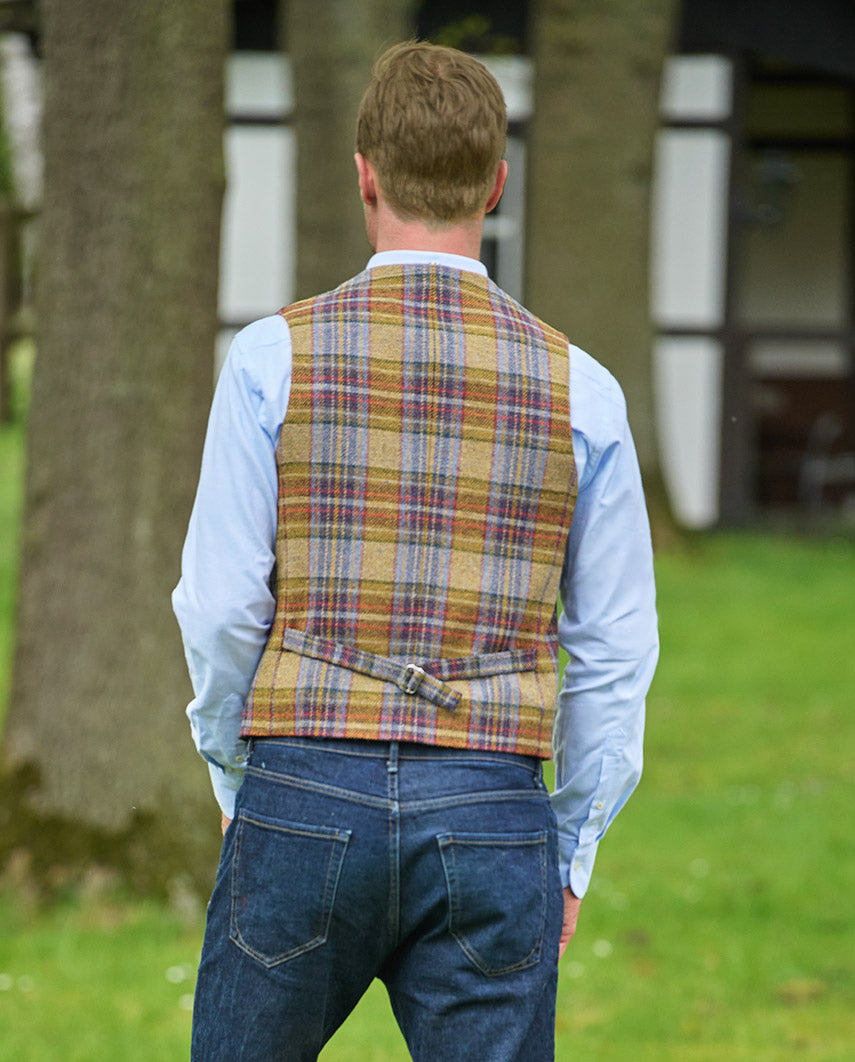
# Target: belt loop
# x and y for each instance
(392, 761)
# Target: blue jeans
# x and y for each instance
(433, 869)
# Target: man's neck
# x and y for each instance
(396, 234)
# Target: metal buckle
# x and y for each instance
(412, 678)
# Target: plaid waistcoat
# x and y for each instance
(426, 489)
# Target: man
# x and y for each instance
(399, 478)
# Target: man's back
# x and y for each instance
(426, 490)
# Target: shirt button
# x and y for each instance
(600, 805)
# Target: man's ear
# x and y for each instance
(367, 180)
(498, 187)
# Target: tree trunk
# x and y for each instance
(333, 45)
(99, 760)
(596, 87)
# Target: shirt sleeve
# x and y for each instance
(608, 626)
(223, 602)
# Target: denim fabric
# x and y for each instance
(435, 870)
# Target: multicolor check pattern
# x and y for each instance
(426, 489)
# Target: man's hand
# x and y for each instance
(227, 822)
(571, 915)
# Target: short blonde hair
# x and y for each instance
(433, 124)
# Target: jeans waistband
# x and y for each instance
(404, 750)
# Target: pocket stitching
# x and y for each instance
(338, 846)
(446, 844)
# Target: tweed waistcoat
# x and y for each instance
(426, 489)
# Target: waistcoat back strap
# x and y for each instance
(422, 679)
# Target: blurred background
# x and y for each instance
(681, 202)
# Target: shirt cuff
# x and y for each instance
(576, 869)
(226, 785)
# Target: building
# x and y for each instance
(754, 260)
(753, 238)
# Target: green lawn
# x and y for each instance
(719, 927)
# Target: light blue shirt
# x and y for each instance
(608, 626)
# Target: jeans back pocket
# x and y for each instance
(284, 881)
(497, 897)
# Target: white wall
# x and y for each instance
(688, 272)
(258, 229)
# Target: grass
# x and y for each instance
(95, 977)
(719, 924)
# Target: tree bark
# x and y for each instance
(96, 740)
(333, 45)
(596, 88)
